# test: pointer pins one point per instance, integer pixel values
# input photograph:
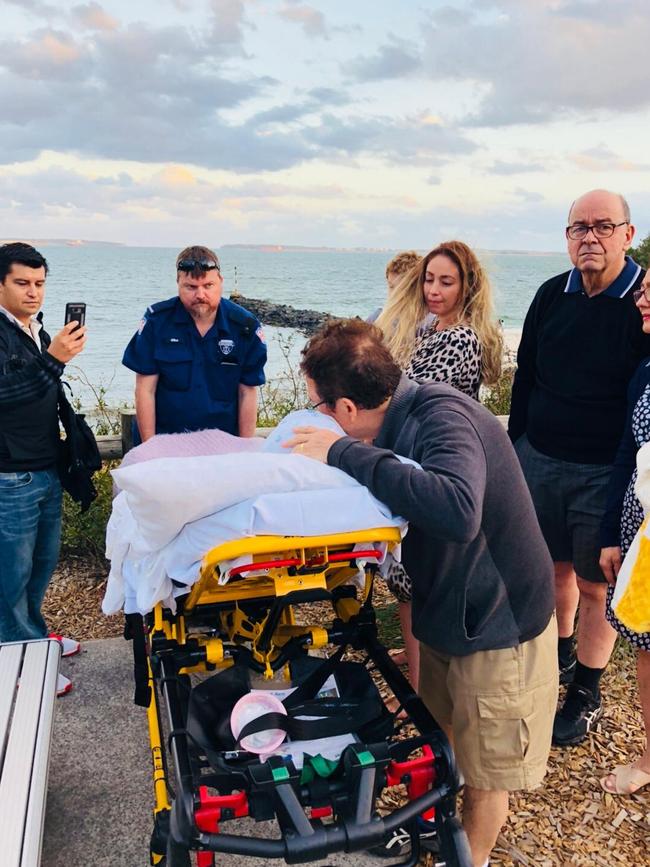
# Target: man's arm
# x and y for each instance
(247, 416)
(145, 404)
(32, 380)
(443, 497)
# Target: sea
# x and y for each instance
(117, 283)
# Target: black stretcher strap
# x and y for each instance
(134, 631)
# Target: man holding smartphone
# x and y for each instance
(198, 357)
(31, 365)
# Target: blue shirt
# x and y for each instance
(199, 377)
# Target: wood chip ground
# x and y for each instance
(569, 821)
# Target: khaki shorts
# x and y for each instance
(499, 705)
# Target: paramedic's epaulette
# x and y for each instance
(241, 317)
(159, 306)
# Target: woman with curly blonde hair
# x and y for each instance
(462, 346)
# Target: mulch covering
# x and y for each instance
(569, 821)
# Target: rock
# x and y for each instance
(305, 321)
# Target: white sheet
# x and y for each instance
(171, 511)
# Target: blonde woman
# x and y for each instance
(462, 346)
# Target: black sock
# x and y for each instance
(565, 651)
(589, 678)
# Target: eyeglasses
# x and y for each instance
(637, 294)
(316, 405)
(196, 264)
(579, 231)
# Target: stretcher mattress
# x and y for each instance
(171, 510)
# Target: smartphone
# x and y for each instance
(75, 313)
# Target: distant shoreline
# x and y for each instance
(258, 248)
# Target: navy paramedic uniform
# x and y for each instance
(199, 377)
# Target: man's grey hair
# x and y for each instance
(624, 205)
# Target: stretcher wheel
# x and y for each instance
(454, 848)
(177, 856)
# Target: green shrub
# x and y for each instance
(641, 254)
(84, 534)
(497, 397)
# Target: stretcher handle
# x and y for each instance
(335, 557)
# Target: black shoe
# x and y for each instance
(567, 670)
(579, 713)
(399, 842)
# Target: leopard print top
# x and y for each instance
(452, 355)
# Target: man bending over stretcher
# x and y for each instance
(483, 604)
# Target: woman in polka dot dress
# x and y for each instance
(622, 520)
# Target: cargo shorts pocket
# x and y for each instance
(504, 733)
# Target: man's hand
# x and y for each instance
(610, 563)
(69, 342)
(312, 442)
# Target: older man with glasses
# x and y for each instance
(198, 357)
(580, 345)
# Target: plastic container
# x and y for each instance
(250, 707)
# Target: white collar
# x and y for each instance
(32, 329)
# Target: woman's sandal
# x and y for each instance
(627, 779)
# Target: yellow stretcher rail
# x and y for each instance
(312, 565)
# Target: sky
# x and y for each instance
(345, 123)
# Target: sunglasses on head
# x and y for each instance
(197, 264)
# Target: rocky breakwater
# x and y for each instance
(269, 313)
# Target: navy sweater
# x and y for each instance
(624, 464)
(575, 361)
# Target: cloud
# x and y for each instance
(396, 59)
(527, 61)
(92, 16)
(411, 140)
(309, 18)
(603, 159)
(155, 94)
(503, 167)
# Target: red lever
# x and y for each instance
(418, 774)
(209, 814)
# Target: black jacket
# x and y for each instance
(29, 380)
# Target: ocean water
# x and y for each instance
(118, 283)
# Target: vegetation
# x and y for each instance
(641, 254)
(496, 397)
(85, 534)
(284, 393)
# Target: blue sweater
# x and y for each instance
(624, 463)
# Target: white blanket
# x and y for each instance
(171, 511)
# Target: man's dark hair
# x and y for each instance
(18, 253)
(348, 358)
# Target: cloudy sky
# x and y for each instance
(334, 122)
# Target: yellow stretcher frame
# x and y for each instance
(315, 570)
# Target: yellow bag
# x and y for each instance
(631, 602)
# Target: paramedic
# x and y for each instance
(198, 358)
(483, 600)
